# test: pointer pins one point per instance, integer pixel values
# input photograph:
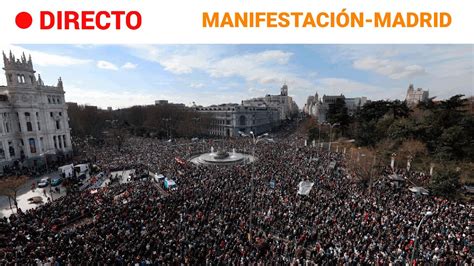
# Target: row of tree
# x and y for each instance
(161, 121)
(437, 134)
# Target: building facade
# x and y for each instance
(166, 103)
(229, 119)
(319, 107)
(34, 122)
(285, 104)
(415, 96)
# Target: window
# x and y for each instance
(10, 78)
(32, 79)
(64, 141)
(2, 154)
(21, 78)
(60, 114)
(19, 126)
(41, 144)
(58, 125)
(55, 142)
(49, 100)
(32, 143)
(11, 150)
(39, 126)
(29, 127)
(51, 114)
(242, 120)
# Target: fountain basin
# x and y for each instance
(222, 158)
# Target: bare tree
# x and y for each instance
(364, 166)
(10, 186)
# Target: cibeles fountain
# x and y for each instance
(222, 157)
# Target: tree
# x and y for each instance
(452, 142)
(364, 166)
(414, 149)
(445, 181)
(338, 113)
(401, 129)
(366, 120)
(10, 186)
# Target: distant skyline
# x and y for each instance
(126, 75)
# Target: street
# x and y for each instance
(26, 193)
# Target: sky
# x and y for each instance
(124, 75)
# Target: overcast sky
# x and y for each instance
(121, 76)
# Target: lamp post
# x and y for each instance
(255, 141)
(319, 135)
(331, 126)
(427, 215)
(167, 126)
(196, 119)
(392, 162)
(50, 151)
(409, 159)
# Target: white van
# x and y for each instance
(67, 170)
(81, 169)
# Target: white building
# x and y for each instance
(229, 119)
(285, 104)
(415, 96)
(33, 116)
(319, 107)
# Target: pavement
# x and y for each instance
(26, 193)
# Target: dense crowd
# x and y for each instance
(221, 215)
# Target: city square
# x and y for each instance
(275, 179)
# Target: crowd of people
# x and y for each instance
(241, 214)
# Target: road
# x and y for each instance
(25, 193)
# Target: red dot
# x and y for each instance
(23, 20)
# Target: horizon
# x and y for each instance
(121, 76)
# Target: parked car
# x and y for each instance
(44, 182)
(56, 181)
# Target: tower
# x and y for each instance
(284, 90)
(19, 71)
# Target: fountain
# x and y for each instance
(221, 157)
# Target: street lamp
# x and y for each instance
(167, 126)
(50, 151)
(255, 141)
(331, 126)
(427, 215)
(196, 119)
(392, 162)
(319, 135)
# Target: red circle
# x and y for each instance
(23, 20)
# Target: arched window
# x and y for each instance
(242, 120)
